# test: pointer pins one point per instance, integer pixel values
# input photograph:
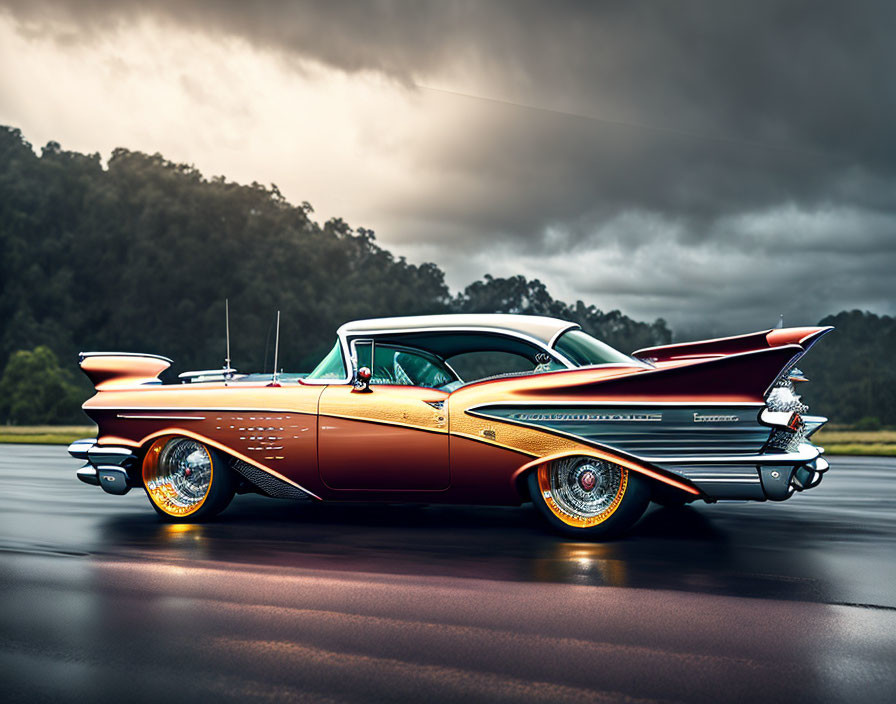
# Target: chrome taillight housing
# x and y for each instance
(783, 397)
(783, 401)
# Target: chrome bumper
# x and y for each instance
(107, 465)
(806, 452)
(773, 476)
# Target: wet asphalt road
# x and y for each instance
(325, 603)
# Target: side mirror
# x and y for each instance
(362, 380)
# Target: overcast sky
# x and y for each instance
(716, 164)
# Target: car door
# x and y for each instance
(391, 437)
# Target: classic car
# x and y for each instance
(486, 409)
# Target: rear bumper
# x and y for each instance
(108, 466)
(773, 476)
(806, 452)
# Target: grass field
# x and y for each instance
(856, 442)
(835, 442)
(45, 434)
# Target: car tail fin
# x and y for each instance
(117, 370)
(704, 349)
(745, 376)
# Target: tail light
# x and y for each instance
(782, 399)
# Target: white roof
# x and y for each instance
(542, 329)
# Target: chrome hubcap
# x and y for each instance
(587, 480)
(584, 488)
(183, 474)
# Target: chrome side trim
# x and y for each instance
(204, 409)
(472, 409)
(610, 402)
(151, 417)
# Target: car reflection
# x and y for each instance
(685, 548)
(596, 564)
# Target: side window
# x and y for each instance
(406, 367)
(472, 366)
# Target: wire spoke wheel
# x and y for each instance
(582, 491)
(179, 475)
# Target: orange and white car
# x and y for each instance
(486, 409)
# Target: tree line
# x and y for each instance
(140, 254)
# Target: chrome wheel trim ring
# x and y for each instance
(568, 493)
(182, 476)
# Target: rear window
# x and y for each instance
(583, 350)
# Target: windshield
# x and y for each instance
(583, 350)
(331, 366)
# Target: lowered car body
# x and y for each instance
(399, 411)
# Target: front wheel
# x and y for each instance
(588, 498)
(185, 480)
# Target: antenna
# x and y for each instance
(228, 372)
(274, 381)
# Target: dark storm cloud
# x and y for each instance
(759, 132)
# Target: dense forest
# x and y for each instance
(141, 253)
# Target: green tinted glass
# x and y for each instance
(331, 366)
(405, 367)
(583, 350)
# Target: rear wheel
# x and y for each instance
(185, 480)
(587, 497)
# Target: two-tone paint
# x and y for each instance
(688, 417)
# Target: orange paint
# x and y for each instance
(122, 371)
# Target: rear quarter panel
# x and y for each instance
(274, 428)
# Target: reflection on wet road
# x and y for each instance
(276, 600)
